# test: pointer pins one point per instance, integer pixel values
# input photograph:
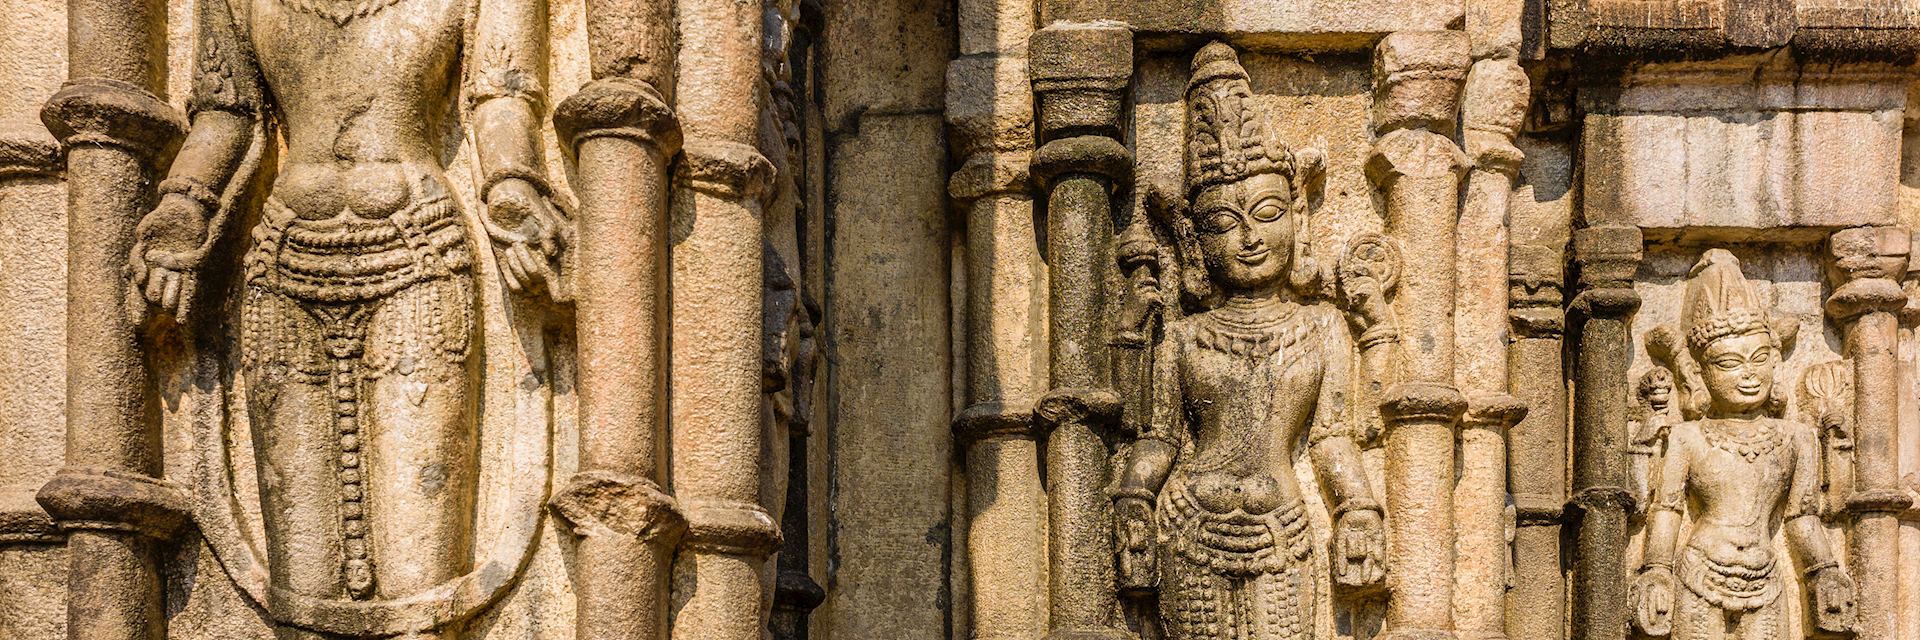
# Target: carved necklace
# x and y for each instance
(340, 12)
(1749, 444)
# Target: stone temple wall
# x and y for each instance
(992, 319)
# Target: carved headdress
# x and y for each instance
(1228, 138)
(1720, 302)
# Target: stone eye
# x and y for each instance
(1268, 210)
(1219, 222)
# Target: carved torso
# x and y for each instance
(1740, 475)
(364, 145)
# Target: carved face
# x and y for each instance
(1245, 234)
(1739, 372)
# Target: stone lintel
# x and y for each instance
(618, 107)
(1323, 25)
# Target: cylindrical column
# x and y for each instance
(1603, 311)
(1007, 516)
(1417, 167)
(1079, 74)
(1537, 446)
(1494, 102)
(623, 134)
(718, 441)
(1866, 263)
(116, 132)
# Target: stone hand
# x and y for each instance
(1359, 550)
(1833, 600)
(1652, 597)
(528, 235)
(1132, 518)
(169, 247)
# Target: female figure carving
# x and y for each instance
(1741, 474)
(1208, 492)
(356, 292)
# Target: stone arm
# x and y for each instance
(507, 70)
(1359, 553)
(1653, 590)
(1151, 458)
(1829, 586)
(173, 240)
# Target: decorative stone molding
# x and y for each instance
(732, 528)
(104, 111)
(111, 500)
(726, 169)
(601, 503)
(622, 108)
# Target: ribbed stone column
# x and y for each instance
(1416, 167)
(117, 133)
(719, 450)
(623, 134)
(1080, 73)
(1867, 262)
(1493, 104)
(1537, 446)
(1602, 313)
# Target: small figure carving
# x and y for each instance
(1647, 423)
(357, 293)
(1208, 492)
(1744, 473)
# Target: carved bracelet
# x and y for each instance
(504, 174)
(190, 187)
(1355, 505)
(1822, 567)
(1141, 494)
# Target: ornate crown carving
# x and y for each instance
(1228, 138)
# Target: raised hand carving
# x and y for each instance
(1746, 473)
(1259, 366)
(357, 288)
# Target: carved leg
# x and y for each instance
(420, 440)
(1193, 601)
(293, 425)
(1696, 619)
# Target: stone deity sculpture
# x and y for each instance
(1740, 474)
(1208, 492)
(356, 295)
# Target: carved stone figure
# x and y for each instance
(356, 307)
(1237, 388)
(1740, 474)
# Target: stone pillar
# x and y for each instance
(1416, 166)
(623, 135)
(1080, 73)
(1867, 264)
(117, 134)
(1607, 255)
(990, 110)
(1537, 446)
(719, 449)
(1493, 105)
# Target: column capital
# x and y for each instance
(992, 173)
(1493, 106)
(102, 111)
(601, 502)
(619, 107)
(1096, 408)
(730, 527)
(113, 500)
(1417, 77)
(726, 169)
(1083, 155)
(1608, 255)
(1080, 73)
(1535, 274)
(1865, 264)
(1411, 402)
